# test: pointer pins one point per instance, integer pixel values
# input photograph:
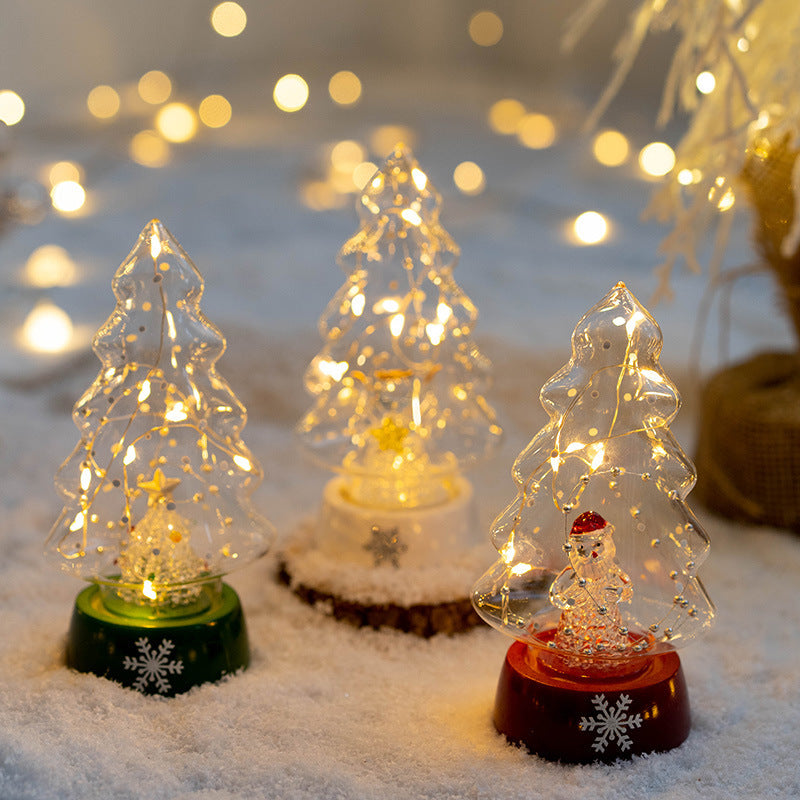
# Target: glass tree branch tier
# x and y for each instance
(399, 413)
(597, 576)
(157, 491)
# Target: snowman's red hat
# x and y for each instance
(587, 522)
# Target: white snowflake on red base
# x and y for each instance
(611, 723)
(153, 666)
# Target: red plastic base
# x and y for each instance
(580, 720)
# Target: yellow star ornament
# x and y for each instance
(390, 435)
(158, 487)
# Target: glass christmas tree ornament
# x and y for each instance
(399, 413)
(157, 491)
(597, 576)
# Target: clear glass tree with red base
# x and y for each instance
(597, 576)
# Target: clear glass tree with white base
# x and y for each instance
(157, 491)
(597, 576)
(400, 412)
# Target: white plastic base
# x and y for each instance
(437, 553)
(425, 536)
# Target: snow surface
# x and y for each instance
(326, 710)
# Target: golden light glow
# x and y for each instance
(536, 131)
(385, 137)
(386, 305)
(742, 45)
(485, 28)
(505, 115)
(50, 265)
(177, 413)
(611, 148)
(130, 455)
(149, 149)
(243, 462)
(411, 216)
(396, 324)
(362, 174)
(155, 87)
(469, 178)
(64, 171)
(228, 19)
(706, 82)
(590, 227)
(12, 109)
(657, 159)
(68, 196)
(290, 93)
(630, 327)
(521, 569)
(47, 329)
(144, 392)
(176, 122)
(103, 102)
(344, 87)
(332, 369)
(77, 523)
(357, 304)
(685, 177)
(215, 111)
(148, 590)
(347, 155)
(443, 312)
(435, 332)
(419, 177)
(726, 201)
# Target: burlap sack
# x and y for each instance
(748, 451)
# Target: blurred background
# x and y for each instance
(248, 128)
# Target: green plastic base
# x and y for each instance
(165, 656)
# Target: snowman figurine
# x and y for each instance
(589, 591)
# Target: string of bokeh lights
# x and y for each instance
(346, 165)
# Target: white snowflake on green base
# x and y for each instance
(153, 666)
(611, 723)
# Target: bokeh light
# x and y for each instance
(536, 131)
(68, 196)
(469, 178)
(149, 149)
(485, 28)
(176, 122)
(215, 111)
(12, 109)
(228, 19)
(63, 171)
(47, 329)
(657, 159)
(155, 87)
(290, 93)
(590, 227)
(611, 148)
(48, 266)
(384, 138)
(344, 88)
(362, 174)
(347, 155)
(505, 115)
(103, 102)
(706, 82)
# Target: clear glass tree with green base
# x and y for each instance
(400, 409)
(157, 491)
(597, 576)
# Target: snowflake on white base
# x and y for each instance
(611, 723)
(152, 665)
